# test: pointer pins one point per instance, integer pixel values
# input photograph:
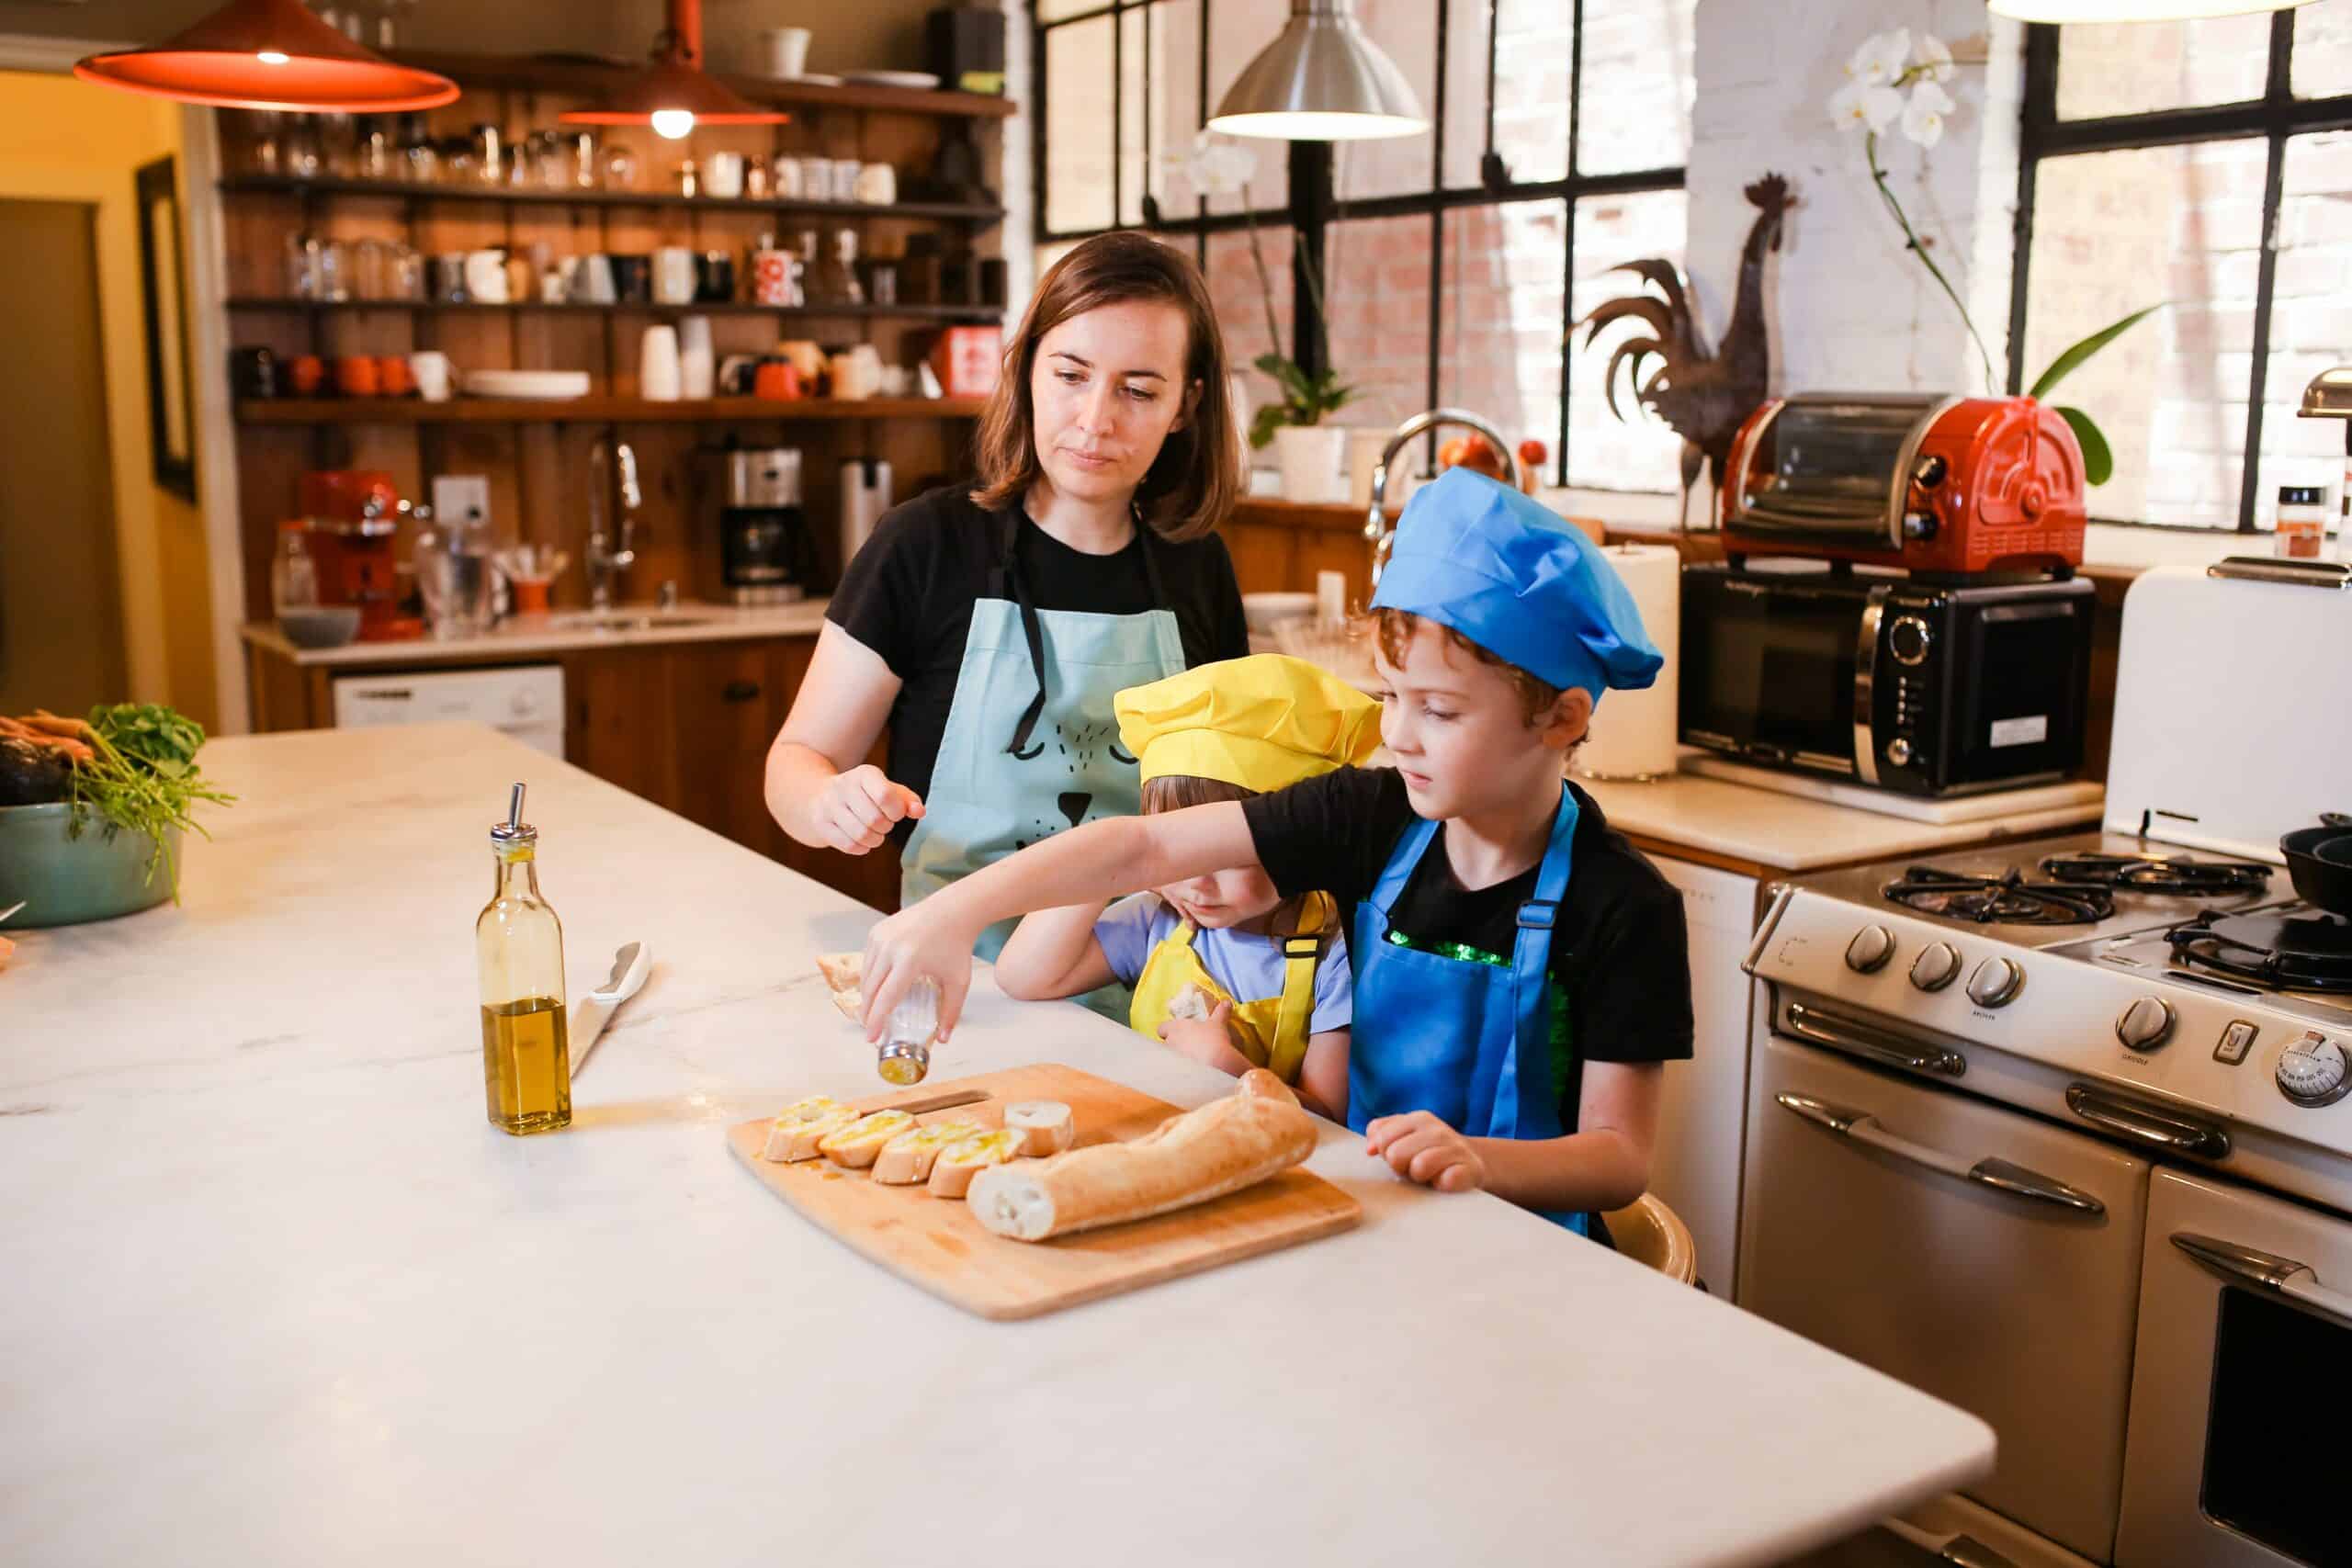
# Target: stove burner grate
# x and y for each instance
(2160, 873)
(2008, 900)
(2295, 952)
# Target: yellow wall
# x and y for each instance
(64, 141)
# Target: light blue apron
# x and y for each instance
(1469, 1043)
(1031, 744)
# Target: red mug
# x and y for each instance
(777, 380)
(393, 377)
(355, 377)
(306, 374)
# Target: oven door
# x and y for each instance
(2237, 1347)
(1969, 1250)
(1769, 667)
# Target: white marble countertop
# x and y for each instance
(562, 631)
(278, 1294)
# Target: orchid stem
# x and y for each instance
(1912, 243)
(1265, 278)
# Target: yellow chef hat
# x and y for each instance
(1264, 723)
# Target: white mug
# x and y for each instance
(877, 184)
(697, 367)
(722, 176)
(592, 282)
(817, 181)
(431, 369)
(486, 277)
(658, 373)
(787, 50)
(674, 276)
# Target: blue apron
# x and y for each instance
(1469, 1043)
(1031, 744)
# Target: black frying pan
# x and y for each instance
(2320, 861)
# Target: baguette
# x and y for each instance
(1229, 1143)
(1045, 1126)
(858, 1145)
(842, 971)
(908, 1158)
(1190, 1002)
(851, 1005)
(796, 1132)
(952, 1173)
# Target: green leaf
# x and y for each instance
(2098, 461)
(2066, 364)
(1265, 421)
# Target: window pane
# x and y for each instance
(1078, 126)
(1534, 50)
(2112, 233)
(1377, 311)
(1136, 142)
(1238, 31)
(1055, 10)
(2322, 63)
(1406, 30)
(1498, 344)
(1639, 451)
(1175, 103)
(1233, 286)
(1638, 85)
(2135, 67)
(2311, 319)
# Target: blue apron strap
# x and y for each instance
(1531, 961)
(1407, 854)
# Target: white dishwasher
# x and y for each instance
(523, 701)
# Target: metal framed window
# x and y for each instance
(2237, 99)
(1312, 207)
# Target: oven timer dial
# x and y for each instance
(2313, 1071)
(1907, 640)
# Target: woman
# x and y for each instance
(990, 627)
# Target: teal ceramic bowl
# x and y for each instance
(62, 881)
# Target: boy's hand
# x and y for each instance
(1208, 1040)
(1420, 1147)
(903, 949)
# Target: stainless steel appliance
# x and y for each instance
(763, 533)
(2058, 1131)
(1919, 688)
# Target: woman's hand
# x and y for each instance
(915, 942)
(1420, 1147)
(1209, 1041)
(856, 809)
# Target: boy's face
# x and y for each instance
(1222, 898)
(1459, 731)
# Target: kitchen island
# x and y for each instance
(278, 1293)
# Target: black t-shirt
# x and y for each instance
(908, 596)
(1620, 951)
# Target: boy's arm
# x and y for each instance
(1101, 859)
(1605, 1164)
(1053, 953)
(1323, 1076)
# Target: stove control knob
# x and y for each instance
(1995, 983)
(1907, 640)
(2146, 1024)
(1937, 967)
(1868, 951)
(2313, 1071)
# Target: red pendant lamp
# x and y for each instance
(269, 54)
(674, 94)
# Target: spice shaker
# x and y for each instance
(904, 1057)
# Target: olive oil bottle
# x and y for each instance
(518, 956)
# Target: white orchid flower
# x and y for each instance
(1923, 117)
(1935, 59)
(1214, 166)
(1858, 105)
(1879, 58)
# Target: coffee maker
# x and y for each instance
(764, 548)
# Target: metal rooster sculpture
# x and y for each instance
(1704, 395)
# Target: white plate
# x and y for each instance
(921, 79)
(811, 79)
(551, 385)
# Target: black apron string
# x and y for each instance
(1008, 572)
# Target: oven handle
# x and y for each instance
(2146, 1125)
(1961, 1551)
(2000, 1175)
(2266, 1271)
(1873, 1043)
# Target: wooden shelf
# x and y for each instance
(540, 195)
(590, 410)
(587, 75)
(726, 308)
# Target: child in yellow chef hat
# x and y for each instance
(1223, 968)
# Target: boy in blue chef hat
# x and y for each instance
(1521, 971)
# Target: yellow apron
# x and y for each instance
(1271, 1033)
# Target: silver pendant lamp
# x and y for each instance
(1321, 80)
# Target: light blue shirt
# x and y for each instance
(1248, 965)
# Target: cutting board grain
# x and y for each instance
(938, 1245)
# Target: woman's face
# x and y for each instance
(1108, 387)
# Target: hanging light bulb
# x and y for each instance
(673, 94)
(1320, 80)
(672, 124)
(268, 54)
(2063, 11)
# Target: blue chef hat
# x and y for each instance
(1519, 582)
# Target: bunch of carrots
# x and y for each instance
(42, 728)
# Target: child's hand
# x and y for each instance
(1420, 1147)
(904, 948)
(1208, 1040)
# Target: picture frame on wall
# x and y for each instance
(169, 419)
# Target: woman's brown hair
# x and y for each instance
(1197, 476)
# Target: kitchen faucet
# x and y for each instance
(604, 562)
(1375, 526)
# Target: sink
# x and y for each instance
(627, 620)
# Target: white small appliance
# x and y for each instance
(525, 702)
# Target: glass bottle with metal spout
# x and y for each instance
(518, 958)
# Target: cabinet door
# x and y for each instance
(728, 699)
(619, 724)
(1694, 1169)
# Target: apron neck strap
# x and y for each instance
(1005, 574)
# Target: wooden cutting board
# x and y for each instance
(937, 1244)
